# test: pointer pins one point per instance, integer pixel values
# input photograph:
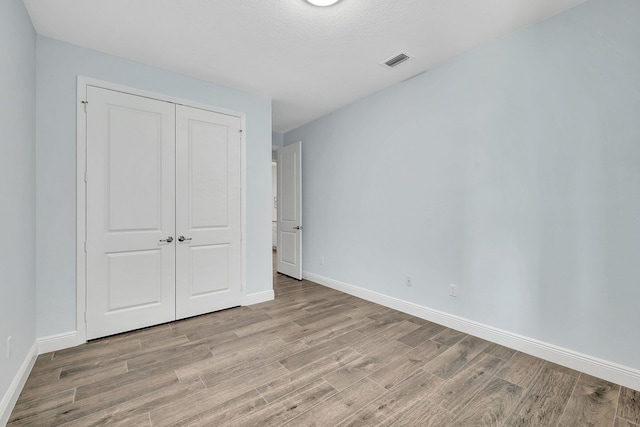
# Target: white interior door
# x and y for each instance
(130, 212)
(208, 211)
(290, 210)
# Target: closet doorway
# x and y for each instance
(163, 211)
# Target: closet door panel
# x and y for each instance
(130, 212)
(208, 211)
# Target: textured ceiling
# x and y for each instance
(309, 60)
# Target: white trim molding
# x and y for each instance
(15, 388)
(610, 371)
(58, 342)
(258, 297)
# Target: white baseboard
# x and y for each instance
(610, 371)
(258, 297)
(58, 342)
(11, 396)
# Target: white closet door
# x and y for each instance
(208, 211)
(130, 212)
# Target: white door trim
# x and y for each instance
(81, 196)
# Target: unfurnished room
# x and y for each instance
(320, 213)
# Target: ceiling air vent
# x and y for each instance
(396, 60)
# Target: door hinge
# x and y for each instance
(85, 176)
(85, 105)
(85, 246)
(85, 317)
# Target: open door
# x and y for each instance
(290, 210)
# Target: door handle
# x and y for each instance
(182, 239)
(297, 227)
(167, 240)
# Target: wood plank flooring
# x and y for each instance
(312, 357)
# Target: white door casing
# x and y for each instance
(130, 212)
(208, 211)
(289, 258)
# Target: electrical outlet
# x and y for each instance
(9, 347)
(321, 260)
(408, 281)
(452, 291)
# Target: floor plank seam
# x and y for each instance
(439, 405)
(626, 419)
(259, 394)
(507, 415)
(365, 406)
(564, 410)
(617, 406)
(478, 392)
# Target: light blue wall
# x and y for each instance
(512, 172)
(59, 64)
(17, 187)
(277, 139)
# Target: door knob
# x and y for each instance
(182, 238)
(167, 240)
(297, 227)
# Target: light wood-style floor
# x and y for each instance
(314, 356)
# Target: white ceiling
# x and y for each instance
(309, 60)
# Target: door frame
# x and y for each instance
(81, 195)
